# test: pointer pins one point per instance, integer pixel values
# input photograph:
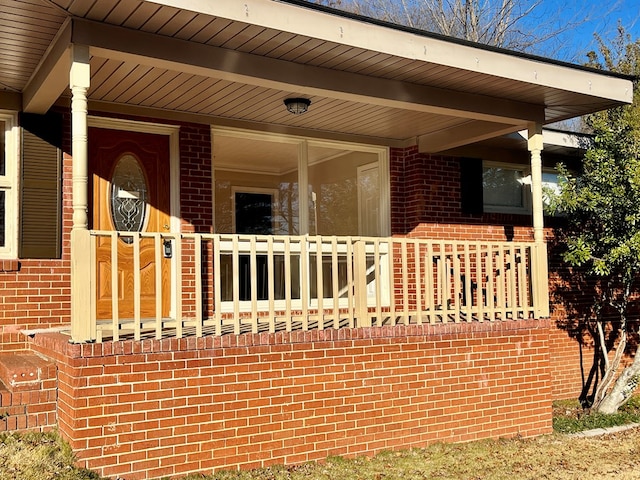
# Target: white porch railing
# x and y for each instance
(246, 283)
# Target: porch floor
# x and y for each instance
(280, 324)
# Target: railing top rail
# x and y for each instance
(313, 238)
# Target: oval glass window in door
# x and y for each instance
(128, 196)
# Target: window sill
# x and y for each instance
(510, 210)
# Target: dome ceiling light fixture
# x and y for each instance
(297, 106)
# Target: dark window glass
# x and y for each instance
(254, 213)
(502, 187)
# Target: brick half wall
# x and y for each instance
(167, 407)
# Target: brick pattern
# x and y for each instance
(426, 202)
(167, 407)
(9, 265)
(566, 372)
(28, 393)
(28, 411)
(34, 297)
(196, 194)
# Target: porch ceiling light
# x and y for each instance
(297, 106)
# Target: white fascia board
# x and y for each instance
(347, 31)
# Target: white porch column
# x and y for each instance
(83, 328)
(540, 275)
(536, 145)
(79, 79)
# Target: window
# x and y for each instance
(506, 188)
(278, 185)
(285, 185)
(253, 210)
(503, 189)
(8, 179)
(550, 185)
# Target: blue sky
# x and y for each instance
(583, 18)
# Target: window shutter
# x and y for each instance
(40, 214)
(471, 185)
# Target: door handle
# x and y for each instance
(167, 248)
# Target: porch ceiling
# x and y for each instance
(235, 62)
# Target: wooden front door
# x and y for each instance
(131, 192)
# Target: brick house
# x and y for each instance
(241, 233)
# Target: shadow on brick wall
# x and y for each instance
(574, 296)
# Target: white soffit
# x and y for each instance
(312, 23)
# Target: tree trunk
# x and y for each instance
(610, 368)
(626, 383)
(622, 389)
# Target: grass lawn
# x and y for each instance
(556, 456)
(549, 457)
(569, 417)
(38, 456)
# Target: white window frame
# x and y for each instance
(525, 182)
(9, 184)
(526, 192)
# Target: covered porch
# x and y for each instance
(304, 241)
(150, 66)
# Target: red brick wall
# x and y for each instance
(28, 411)
(159, 408)
(34, 295)
(426, 203)
(196, 194)
(566, 364)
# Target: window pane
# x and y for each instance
(327, 276)
(502, 187)
(2, 218)
(254, 213)
(256, 186)
(344, 192)
(128, 195)
(550, 187)
(262, 277)
(550, 183)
